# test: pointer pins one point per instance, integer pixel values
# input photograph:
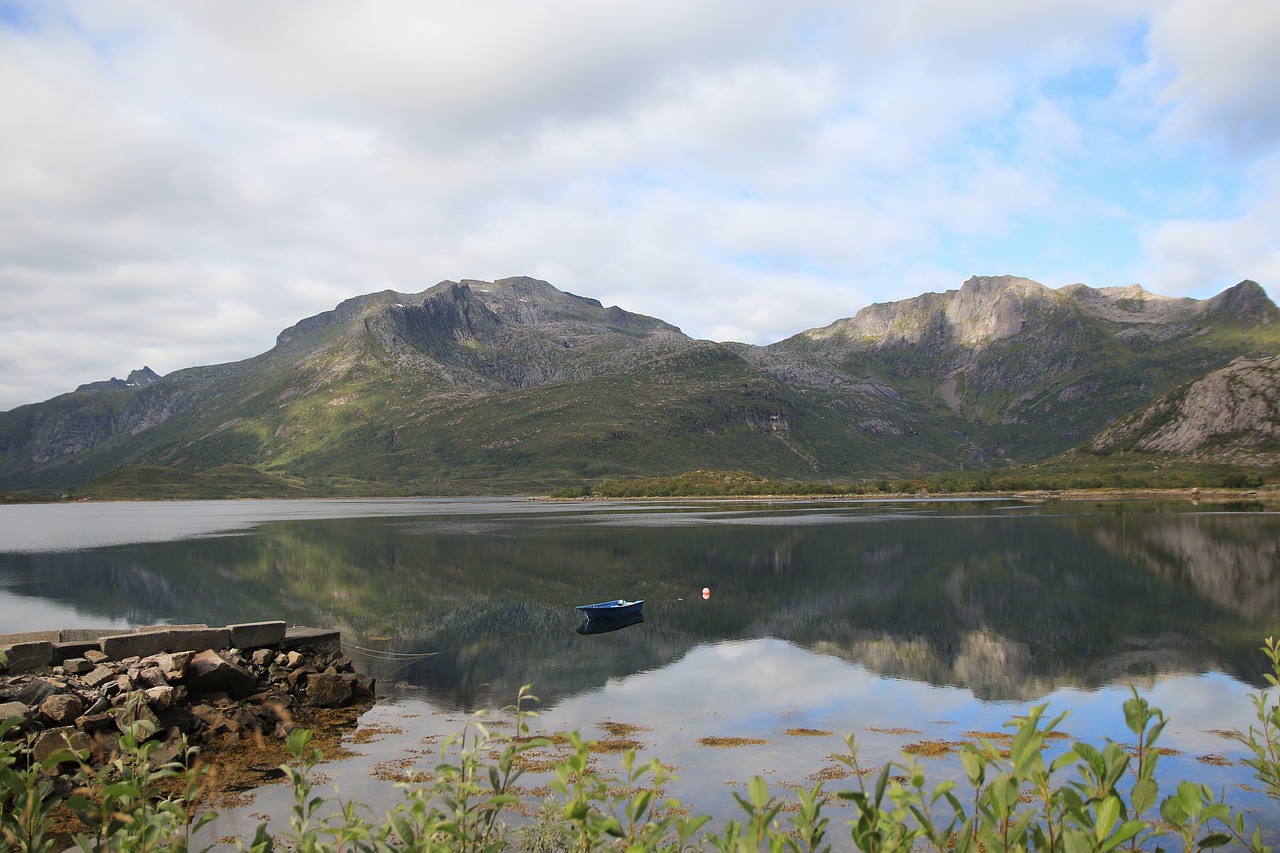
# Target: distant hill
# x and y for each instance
(1230, 416)
(514, 386)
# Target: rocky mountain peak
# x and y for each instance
(137, 378)
(1245, 300)
(1230, 415)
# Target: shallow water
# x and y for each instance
(939, 617)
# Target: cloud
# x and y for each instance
(1217, 63)
(180, 182)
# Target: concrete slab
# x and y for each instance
(28, 637)
(121, 646)
(24, 657)
(198, 639)
(63, 652)
(254, 635)
(85, 635)
(316, 638)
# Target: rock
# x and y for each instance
(263, 657)
(152, 676)
(94, 656)
(329, 690)
(76, 666)
(159, 698)
(62, 708)
(209, 673)
(52, 740)
(171, 751)
(91, 723)
(99, 676)
(13, 709)
(36, 692)
(293, 660)
(135, 710)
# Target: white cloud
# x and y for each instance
(178, 182)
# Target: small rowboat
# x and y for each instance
(615, 609)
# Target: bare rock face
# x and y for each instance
(1235, 409)
(208, 672)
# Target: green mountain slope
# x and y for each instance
(514, 386)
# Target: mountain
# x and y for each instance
(515, 386)
(1230, 416)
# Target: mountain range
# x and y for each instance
(514, 386)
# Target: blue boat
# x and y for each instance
(615, 609)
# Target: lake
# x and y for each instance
(897, 621)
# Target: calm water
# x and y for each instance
(937, 617)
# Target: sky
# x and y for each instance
(180, 181)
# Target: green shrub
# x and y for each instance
(1089, 798)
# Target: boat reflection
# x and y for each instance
(604, 626)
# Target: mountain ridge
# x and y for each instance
(514, 385)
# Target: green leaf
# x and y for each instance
(1144, 795)
(1189, 798)
(758, 791)
(1108, 811)
(1213, 839)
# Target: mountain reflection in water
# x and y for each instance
(894, 621)
(1008, 600)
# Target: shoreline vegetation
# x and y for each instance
(1031, 787)
(1085, 476)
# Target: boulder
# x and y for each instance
(152, 676)
(52, 740)
(62, 708)
(13, 709)
(329, 690)
(36, 692)
(76, 666)
(160, 698)
(209, 673)
(134, 710)
(99, 676)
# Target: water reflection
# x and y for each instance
(1006, 600)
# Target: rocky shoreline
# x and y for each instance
(196, 697)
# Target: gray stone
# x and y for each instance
(122, 646)
(100, 675)
(96, 722)
(94, 656)
(314, 638)
(24, 657)
(253, 635)
(76, 666)
(13, 709)
(36, 692)
(329, 690)
(209, 673)
(194, 639)
(85, 635)
(159, 698)
(152, 676)
(62, 708)
(52, 740)
(62, 652)
(136, 710)
(28, 637)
